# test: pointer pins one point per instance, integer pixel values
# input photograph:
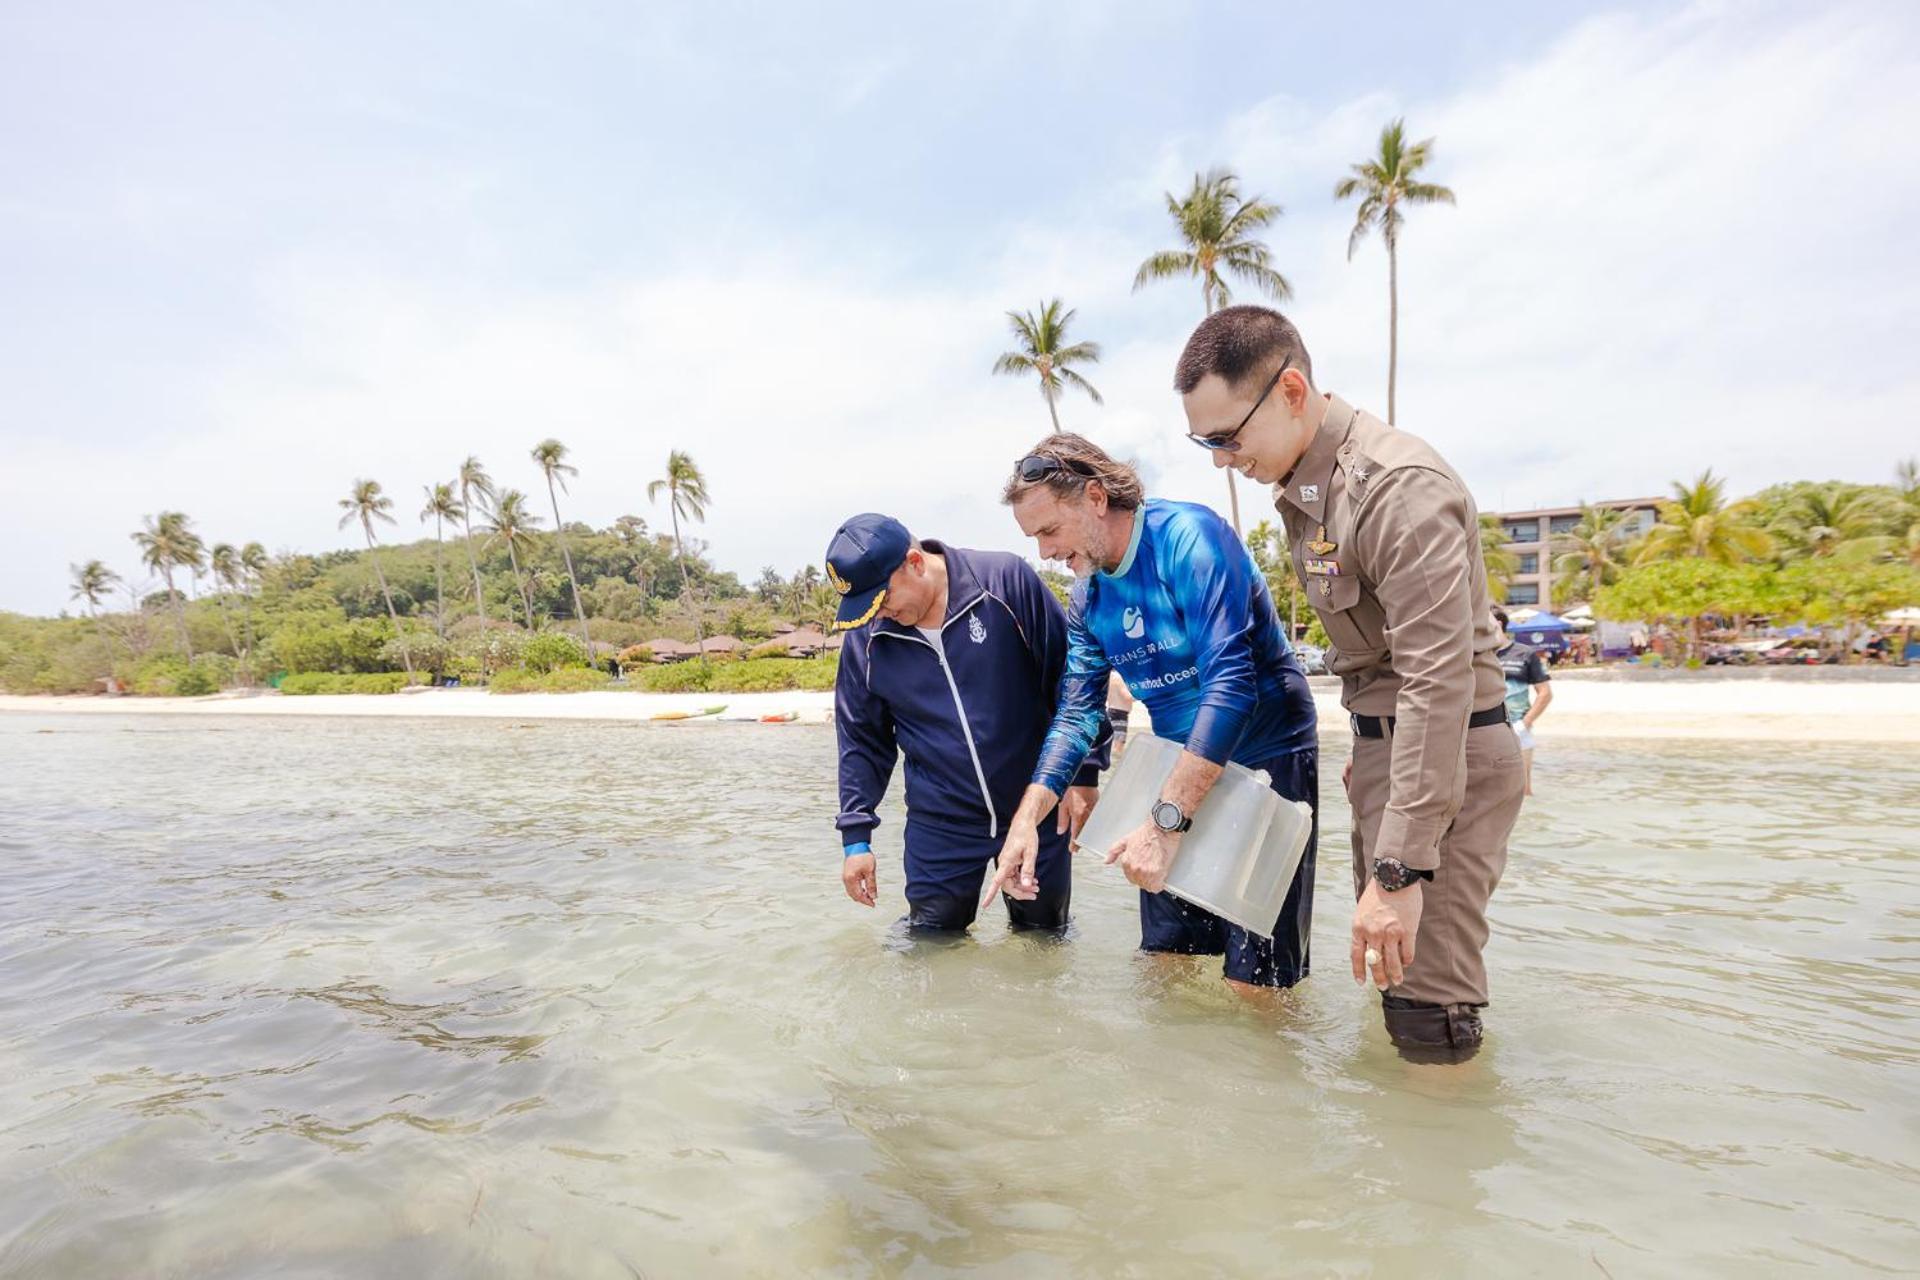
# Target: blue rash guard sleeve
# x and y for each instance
(1042, 618)
(1080, 711)
(1215, 578)
(864, 726)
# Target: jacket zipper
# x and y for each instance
(966, 730)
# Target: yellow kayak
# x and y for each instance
(688, 715)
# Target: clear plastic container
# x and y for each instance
(1239, 858)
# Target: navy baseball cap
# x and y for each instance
(862, 556)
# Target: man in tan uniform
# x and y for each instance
(1386, 538)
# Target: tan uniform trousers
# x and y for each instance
(1449, 966)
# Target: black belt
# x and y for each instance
(1381, 726)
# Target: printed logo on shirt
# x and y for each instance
(976, 629)
(1133, 623)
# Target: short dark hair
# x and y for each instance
(1501, 614)
(1089, 462)
(1239, 343)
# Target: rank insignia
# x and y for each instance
(1323, 568)
(1320, 546)
(1309, 493)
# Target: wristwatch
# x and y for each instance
(1395, 875)
(1169, 817)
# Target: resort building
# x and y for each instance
(1530, 536)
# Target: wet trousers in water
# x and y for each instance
(1434, 1005)
(946, 873)
(1168, 924)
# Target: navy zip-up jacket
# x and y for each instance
(970, 725)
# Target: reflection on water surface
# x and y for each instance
(478, 998)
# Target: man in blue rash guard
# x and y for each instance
(1169, 598)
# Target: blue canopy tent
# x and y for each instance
(1543, 631)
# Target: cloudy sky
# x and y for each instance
(250, 253)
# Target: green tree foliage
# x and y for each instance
(1387, 182)
(1217, 228)
(1043, 350)
(1699, 522)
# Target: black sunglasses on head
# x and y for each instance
(1038, 466)
(1226, 441)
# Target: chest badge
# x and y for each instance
(976, 630)
(1309, 493)
(1326, 586)
(1320, 546)
(1323, 568)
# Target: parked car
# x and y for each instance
(1313, 659)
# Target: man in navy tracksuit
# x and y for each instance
(953, 660)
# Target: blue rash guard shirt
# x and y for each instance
(1187, 621)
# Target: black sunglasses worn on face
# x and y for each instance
(1227, 442)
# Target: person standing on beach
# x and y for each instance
(1169, 598)
(1524, 672)
(1386, 538)
(952, 660)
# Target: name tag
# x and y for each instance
(1323, 568)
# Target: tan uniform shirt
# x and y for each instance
(1386, 540)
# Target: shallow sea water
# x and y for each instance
(485, 998)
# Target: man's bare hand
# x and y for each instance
(1385, 923)
(1014, 876)
(857, 874)
(1145, 854)
(1075, 805)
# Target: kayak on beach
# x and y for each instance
(688, 715)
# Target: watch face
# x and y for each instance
(1392, 874)
(1167, 815)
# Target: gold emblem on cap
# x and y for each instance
(840, 584)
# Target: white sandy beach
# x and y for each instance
(1585, 705)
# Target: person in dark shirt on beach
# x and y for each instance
(1525, 673)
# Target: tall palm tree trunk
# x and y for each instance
(1233, 491)
(579, 610)
(439, 577)
(226, 620)
(686, 583)
(466, 521)
(526, 601)
(406, 658)
(179, 614)
(246, 609)
(1393, 325)
(1053, 413)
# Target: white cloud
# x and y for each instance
(1679, 244)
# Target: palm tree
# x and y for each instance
(687, 497)
(510, 522)
(442, 506)
(474, 482)
(1593, 548)
(1836, 519)
(1044, 350)
(1386, 183)
(92, 582)
(1216, 225)
(1699, 522)
(224, 562)
(168, 543)
(366, 503)
(1501, 564)
(552, 455)
(253, 572)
